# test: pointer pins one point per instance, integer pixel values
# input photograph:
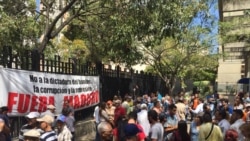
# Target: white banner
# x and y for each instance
(26, 91)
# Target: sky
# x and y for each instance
(38, 5)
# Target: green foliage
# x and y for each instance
(18, 24)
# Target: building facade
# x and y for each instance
(235, 45)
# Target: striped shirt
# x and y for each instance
(26, 128)
(48, 136)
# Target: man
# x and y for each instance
(221, 117)
(46, 125)
(142, 118)
(32, 135)
(208, 131)
(31, 124)
(171, 121)
(67, 107)
(50, 111)
(199, 108)
(236, 121)
(156, 130)
(63, 132)
(4, 111)
(225, 106)
(119, 110)
(181, 109)
(106, 131)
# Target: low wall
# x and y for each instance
(85, 130)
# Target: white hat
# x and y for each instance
(33, 115)
(32, 133)
(144, 106)
(51, 107)
(46, 118)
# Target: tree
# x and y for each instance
(19, 27)
(186, 53)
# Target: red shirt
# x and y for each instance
(119, 111)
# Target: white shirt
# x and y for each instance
(224, 126)
(236, 126)
(96, 114)
(142, 118)
(198, 109)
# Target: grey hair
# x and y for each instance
(103, 126)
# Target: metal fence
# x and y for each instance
(112, 81)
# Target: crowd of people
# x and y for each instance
(181, 118)
(44, 126)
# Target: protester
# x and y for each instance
(208, 131)
(223, 123)
(70, 122)
(132, 119)
(172, 122)
(31, 124)
(105, 130)
(181, 133)
(4, 130)
(236, 121)
(32, 135)
(231, 135)
(195, 126)
(181, 109)
(132, 132)
(97, 121)
(110, 109)
(119, 110)
(156, 130)
(50, 111)
(142, 118)
(245, 130)
(199, 108)
(46, 125)
(63, 132)
(4, 111)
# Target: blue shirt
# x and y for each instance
(194, 133)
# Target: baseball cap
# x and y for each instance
(51, 107)
(32, 133)
(131, 130)
(33, 115)
(61, 118)
(46, 118)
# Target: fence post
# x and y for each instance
(35, 60)
(99, 67)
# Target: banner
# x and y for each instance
(26, 91)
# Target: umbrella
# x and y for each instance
(244, 81)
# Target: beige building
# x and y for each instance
(234, 65)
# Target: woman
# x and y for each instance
(195, 126)
(103, 115)
(181, 133)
